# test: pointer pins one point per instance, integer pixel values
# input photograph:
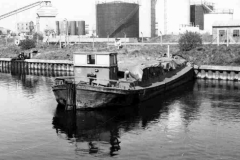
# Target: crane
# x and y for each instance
(23, 9)
(19, 38)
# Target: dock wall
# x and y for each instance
(65, 67)
(51, 68)
(231, 73)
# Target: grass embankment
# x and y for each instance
(205, 55)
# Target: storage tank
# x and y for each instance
(147, 18)
(81, 27)
(115, 19)
(72, 28)
(210, 18)
(62, 27)
(173, 14)
(57, 28)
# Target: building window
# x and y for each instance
(91, 59)
(221, 33)
(235, 33)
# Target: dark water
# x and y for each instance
(200, 120)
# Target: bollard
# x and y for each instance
(232, 75)
(209, 74)
(203, 74)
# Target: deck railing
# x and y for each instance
(112, 83)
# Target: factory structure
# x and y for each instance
(149, 18)
(130, 19)
(73, 27)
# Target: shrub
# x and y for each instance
(27, 44)
(189, 41)
(37, 35)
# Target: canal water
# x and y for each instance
(199, 120)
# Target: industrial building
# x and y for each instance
(46, 17)
(173, 14)
(24, 27)
(147, 18)
(224, 31)
(117, 19)
(198, 11)
(217, 15)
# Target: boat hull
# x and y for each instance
(60, 92)
(93, 97)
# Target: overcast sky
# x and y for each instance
(76, 9)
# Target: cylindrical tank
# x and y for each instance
(57, 28)
(117, 19)
(173, 14)
(72, 28)
(81, 28)
(63, 27)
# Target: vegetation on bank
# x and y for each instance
(210, 54)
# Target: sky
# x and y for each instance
(77, 10)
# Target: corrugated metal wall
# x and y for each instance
(115, 19)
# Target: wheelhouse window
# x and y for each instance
(221, 33)
(91, 59)
(235, 33)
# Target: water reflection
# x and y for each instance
(99, 130)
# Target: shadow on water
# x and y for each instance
(93, 127)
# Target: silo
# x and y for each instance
(147, 18)
(57, 28)
(174, 14)
(72, 27)
(117, 19)
(81, 28)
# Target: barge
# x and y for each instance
(100, 81)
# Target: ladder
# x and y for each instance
(123, 22)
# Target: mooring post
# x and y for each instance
(71, 94)
(168, 52)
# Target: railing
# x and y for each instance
(114, 83)
(206, 6)
(224, 11)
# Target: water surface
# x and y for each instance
(200, 120)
